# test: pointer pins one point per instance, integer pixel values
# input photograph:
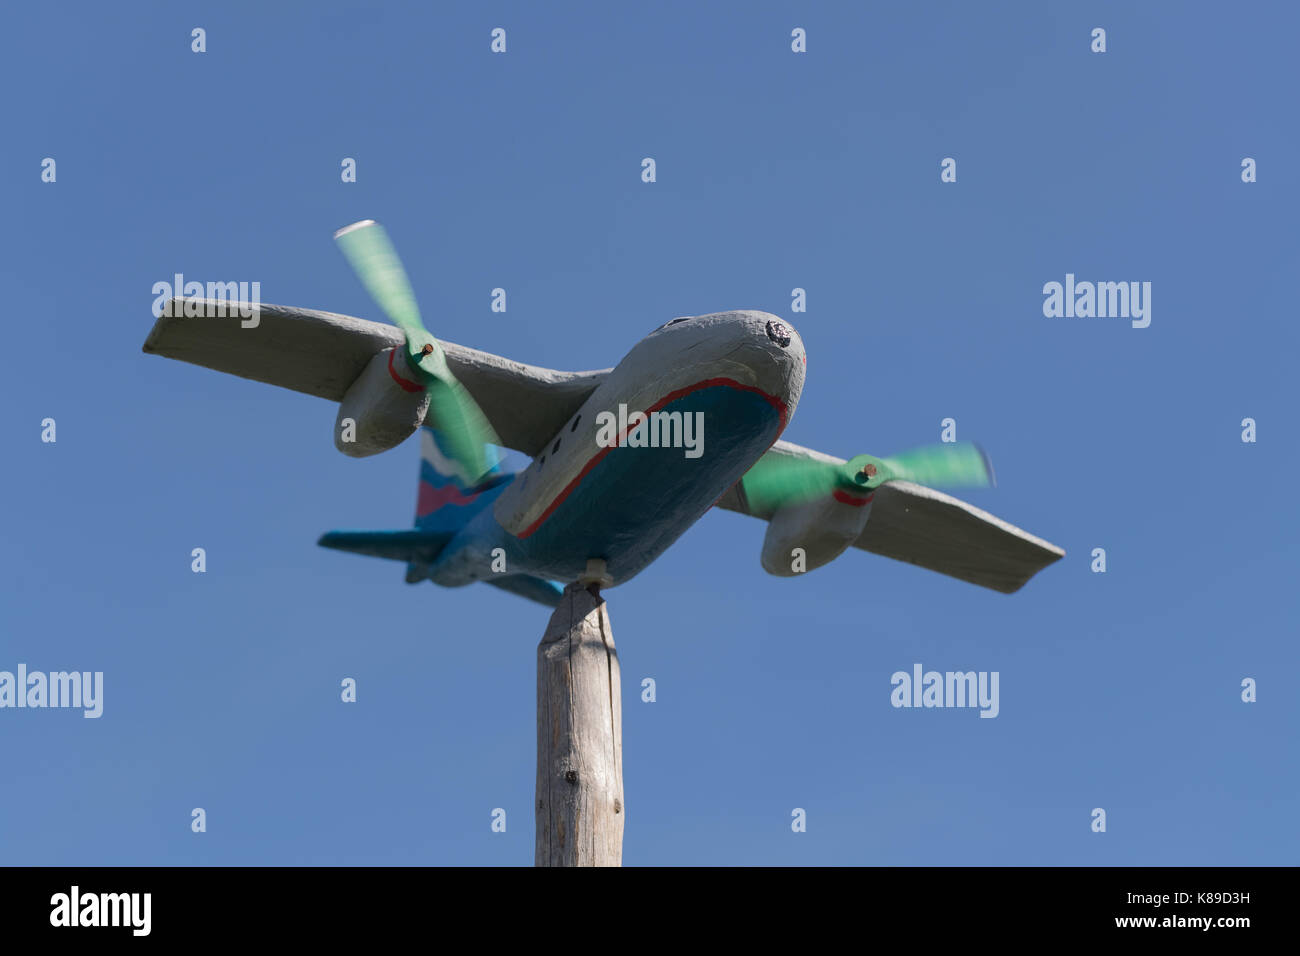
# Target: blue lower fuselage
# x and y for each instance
(627, 504)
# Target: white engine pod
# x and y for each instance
(382, 408)
(822, 529)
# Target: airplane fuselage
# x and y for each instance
(717, 391)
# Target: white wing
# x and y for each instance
(932, 530)
(322, 353)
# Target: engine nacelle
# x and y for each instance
(822, 528)
(382, 408)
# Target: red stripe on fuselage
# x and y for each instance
(772, 400)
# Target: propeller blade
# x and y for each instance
(452, 409)
(464, 426)
(778, 480)
(372, 256)
(951, 465)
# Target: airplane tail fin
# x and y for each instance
(525, 585)
(445, 503)
(446, 498)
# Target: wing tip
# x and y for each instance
(1053, 553)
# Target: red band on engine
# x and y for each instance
(405, 383)
(843, 497)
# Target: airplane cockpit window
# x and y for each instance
(684, 318)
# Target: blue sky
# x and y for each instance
(775, 170)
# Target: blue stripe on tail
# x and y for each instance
(446, 498)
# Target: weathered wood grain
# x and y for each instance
(579, 737)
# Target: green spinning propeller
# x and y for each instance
(453, 410)
(777, 480)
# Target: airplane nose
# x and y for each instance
(778, 336)
(779, 332)
(759, 350)
(774, 354)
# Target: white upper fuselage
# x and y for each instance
(680, 355)
(593, 492)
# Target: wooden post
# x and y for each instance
(579, 736)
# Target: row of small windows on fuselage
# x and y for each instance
(556, 447)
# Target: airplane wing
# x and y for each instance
(932, 530)
(322, 353)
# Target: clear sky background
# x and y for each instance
(775, 170)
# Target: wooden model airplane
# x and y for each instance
(624, 460)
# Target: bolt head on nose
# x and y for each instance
(779, 333)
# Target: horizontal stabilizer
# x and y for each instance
(525, 585)
(416, 547)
